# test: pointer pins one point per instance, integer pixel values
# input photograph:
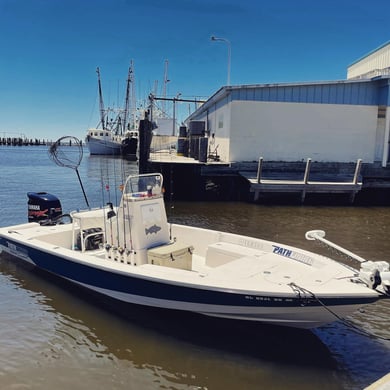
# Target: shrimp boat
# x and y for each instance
(131, 253)
(116, 132)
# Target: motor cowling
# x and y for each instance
(43, 207)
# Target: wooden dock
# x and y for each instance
(304, 185)
(215, 179)
(281, 181)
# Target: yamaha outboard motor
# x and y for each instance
(43, 207)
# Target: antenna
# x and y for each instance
(164, 92)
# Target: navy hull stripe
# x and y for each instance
(133, 285)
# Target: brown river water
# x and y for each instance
(54, 336)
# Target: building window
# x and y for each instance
(220, 121)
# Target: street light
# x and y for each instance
(229, 54)
(174, 112)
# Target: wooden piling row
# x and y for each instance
(17, 141)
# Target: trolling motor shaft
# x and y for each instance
(372, 273)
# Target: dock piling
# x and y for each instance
(304, 186)
(305, 179)
(259, 168)
(357, 171)
(307, 171)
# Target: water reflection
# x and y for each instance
(154, 348)
(365, 358)
(50, 338)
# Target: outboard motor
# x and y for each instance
(43, 207)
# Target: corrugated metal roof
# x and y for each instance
(354, 92)
(340, 93)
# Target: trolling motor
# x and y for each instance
(372, 273)
(376, 273)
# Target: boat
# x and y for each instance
(129, 146)
(116, 130)
(132, 254)
(103, 142)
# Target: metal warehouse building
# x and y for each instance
(375, 63)
(336, 121)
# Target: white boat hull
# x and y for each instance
(104, 142)
(97, 147)
(101, 146)
(132, 254)
(151, 285)
(111, 144)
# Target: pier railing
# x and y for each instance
(305, 185)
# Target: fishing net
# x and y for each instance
(68, 152)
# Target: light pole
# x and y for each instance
(174, 112)
(229, 46)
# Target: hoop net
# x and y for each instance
(67, 152)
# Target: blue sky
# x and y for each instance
(50, 50)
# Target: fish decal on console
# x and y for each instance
(153, 229)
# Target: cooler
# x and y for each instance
(175, 255)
